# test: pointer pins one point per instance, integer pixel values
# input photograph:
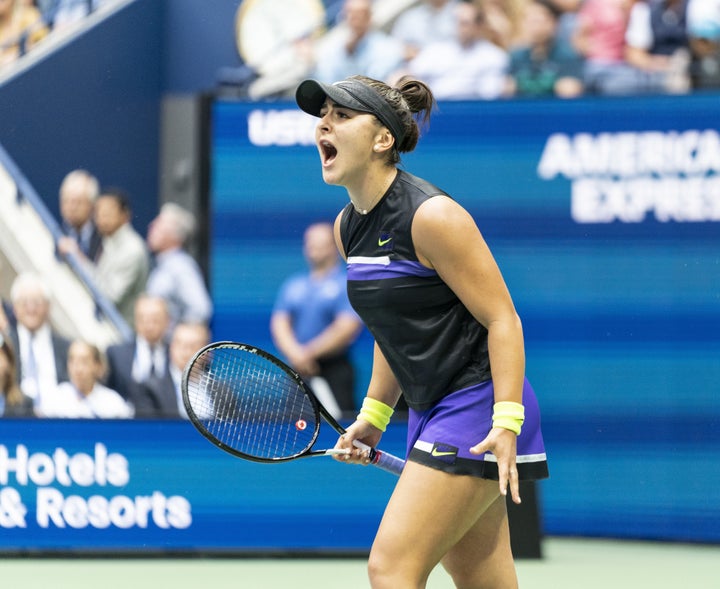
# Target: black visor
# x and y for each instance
(353, 94)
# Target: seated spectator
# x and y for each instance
(68, 12)
(78, 192)
(123, 265)
(132, 363)
(21, 27)
(427, 22)
(504, 22)
(355, 47)
(567, 22)
(13, 402)
(42, 353)
(546, 66)
(83, 396)
(704, 32)
(6, 317)
(468, 67)
(657, 46)
(600, 38)
(176, 276)
(162, 397)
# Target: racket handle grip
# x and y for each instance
(381, 459)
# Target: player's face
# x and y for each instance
(345, 140)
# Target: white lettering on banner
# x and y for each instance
(12, 510)
(673, 176)
(102, 469)
(281, 127)
(97, 511)
(80, 469)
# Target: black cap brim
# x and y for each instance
(311, 94)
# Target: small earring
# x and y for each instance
(376, 148)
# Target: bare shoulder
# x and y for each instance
(443, 211)
(442, 225)
(336, 233)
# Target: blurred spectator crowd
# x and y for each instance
(155, 284)
(466, 49)
(491, 49)
(26, 23)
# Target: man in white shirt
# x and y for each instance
(83, 396)
(122, 268)
(176, 276)
(78, 192)
(356, 47)
(468, 67)
(42, 353)
(428, 22)
(146, 356)
(162, 397)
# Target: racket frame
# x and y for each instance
(318, 409)
(382, 460)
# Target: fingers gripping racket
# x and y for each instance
(252, 405)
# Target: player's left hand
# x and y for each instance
(503, 444)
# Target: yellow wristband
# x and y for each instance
(509, 415)
(376, 413)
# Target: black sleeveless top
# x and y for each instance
(432, 343)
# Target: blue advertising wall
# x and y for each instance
(159, 487)
(604, 216)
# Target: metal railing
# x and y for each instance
(25, 192)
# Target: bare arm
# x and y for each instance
(284, 338)
(581, 36)
(336, 337)
(333, 340)
(447, 239)
(383, 384)
(383, 387)
(646, 61)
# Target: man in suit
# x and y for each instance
(134, 362)
(41, 352)
(176, 275)
(78, 192)
(121, 269)
(162, 397)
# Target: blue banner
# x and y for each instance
(159, 486)
(604, 216)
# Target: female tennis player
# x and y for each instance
(447, 337)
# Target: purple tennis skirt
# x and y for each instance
(441, 436)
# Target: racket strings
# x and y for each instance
(250, 404)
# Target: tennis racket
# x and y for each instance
(252, 405)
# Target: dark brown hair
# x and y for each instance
(412, 100)
(9, 383)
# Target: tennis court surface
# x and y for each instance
(568, 563)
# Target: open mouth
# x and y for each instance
(328, 152)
